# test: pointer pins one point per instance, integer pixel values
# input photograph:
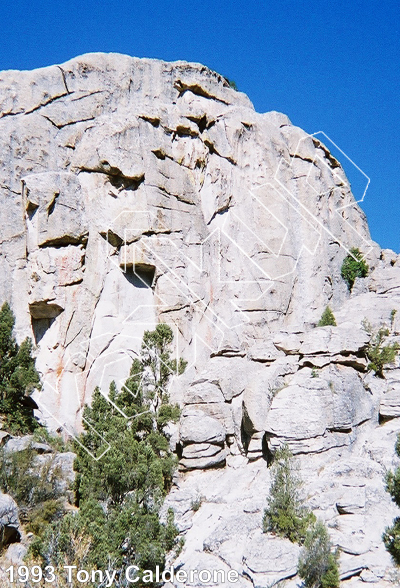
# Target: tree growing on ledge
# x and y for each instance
(285, 514)
(353, 266)
(379, 355)
(18, 377)
(327, 318)
(318, 564)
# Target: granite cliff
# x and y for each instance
(135, 191)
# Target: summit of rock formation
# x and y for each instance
(136, 191)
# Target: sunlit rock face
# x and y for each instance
(135, 191)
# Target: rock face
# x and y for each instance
(135, 191)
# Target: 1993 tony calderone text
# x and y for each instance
(132, 574)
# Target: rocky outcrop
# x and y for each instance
(45, 465)
(9, 520)
(45, 461)
(16, 444)
(319, 395)
(15, 554)
(137, 191)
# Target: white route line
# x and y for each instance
(194, 300)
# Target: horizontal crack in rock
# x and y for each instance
(196, 89)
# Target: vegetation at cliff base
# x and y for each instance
(327, 318)
(29, 486)
(124, 465)
(124, 470)
(353, 266)
(391, 536)
(318, 564)
(18, 378)
(285, 514)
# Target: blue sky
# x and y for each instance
(330, 66)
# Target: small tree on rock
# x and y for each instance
(156, 363)
(285, 513)
(379, 354)
(327, 318)
(318, 565)
(353, 266)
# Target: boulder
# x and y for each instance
(345, 338)
(203, 393)
(268, 559)
(16, 444)
(312, 407)
(261, 389)
(197, 427)
(217, 459)
(15, 554)
(4, 437)
(196, 450)
(9, 521)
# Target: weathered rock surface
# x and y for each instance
(16, 444)
(15, 554)
(136, 191)
(9, 520)
(269, 559)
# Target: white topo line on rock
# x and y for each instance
(140, 220)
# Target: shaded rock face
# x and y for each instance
(135, 191)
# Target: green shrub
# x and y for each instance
(391, 539)
(327, 318)
(56, 442)
(18, 377)
(196, 503)
(40, 516)
(391, 536)
(318, 565)
(63, 543)
(27, 483)
(120, 494)
(353, 266)
(393, 313)
(232, 84)
(379, 354)
(285, 513)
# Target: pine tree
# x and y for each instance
(120, 494)
(379, 354)
(18, 377)
(353, 266)
(327, 318)
(285, 513)
(318, 565)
